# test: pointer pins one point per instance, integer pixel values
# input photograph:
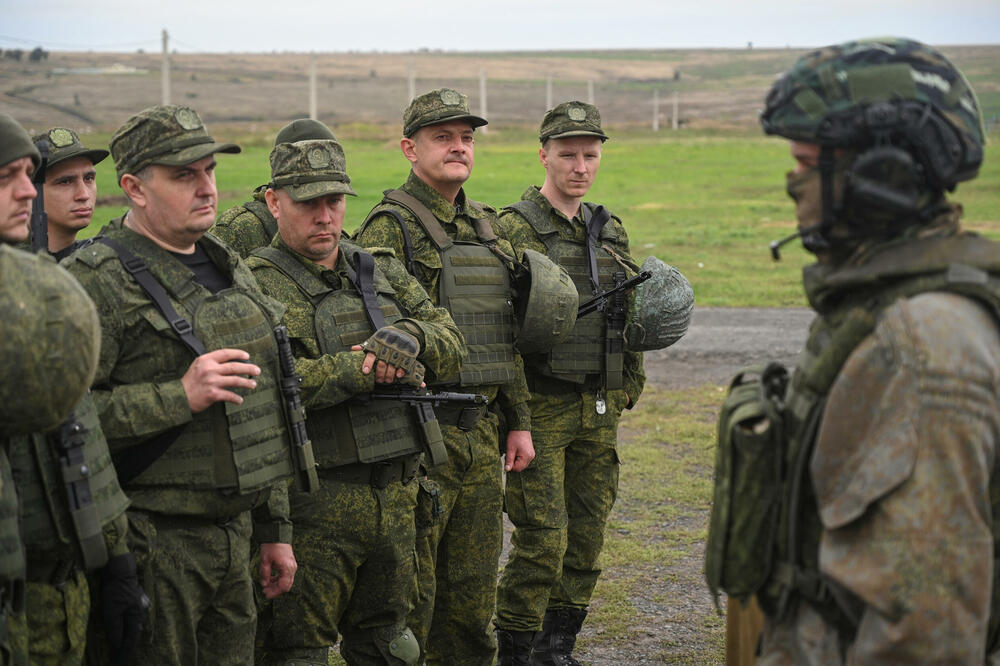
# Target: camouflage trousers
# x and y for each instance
(56, 621)
(354, 547)
(196, 573)
(458, 556)
(14, 647)
(559, 506)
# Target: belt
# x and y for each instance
(378, 474)
(53, 573)
(552, 386)
(463, 417)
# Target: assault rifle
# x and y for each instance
(302, 454)
(599, 302)
(39, 218)
(69, 442)
(423, 404)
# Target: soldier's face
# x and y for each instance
(70, 193)
(16, 195)
(442, 155)
(312, 228)
(180, 201)
(571, 164)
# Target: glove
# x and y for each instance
(123, 606)
(397, 348)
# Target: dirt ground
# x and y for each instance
(718, 343)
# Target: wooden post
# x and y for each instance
(482, 97)
(165, 72)
(656, 110)
(412, 79)
(548, 93)
(675, 123)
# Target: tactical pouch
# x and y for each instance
(748, 472)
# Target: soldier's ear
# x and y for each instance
(406, 144)
(271, 197)
(132, 186)
(543, 157)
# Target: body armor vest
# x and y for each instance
(241, 447)
(348, 433)
(262, 213)
(67, 496)
(12, 564)
(583, 357)
(474, 286)
(832, 338)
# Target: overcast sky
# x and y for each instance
(470, 25)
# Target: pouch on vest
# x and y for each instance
(747, 496)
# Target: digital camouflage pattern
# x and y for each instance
(896, 511)
(560, 503)
(163, 134)
(547, 313)
(50, 345)
(662, 309)
(15, 142)
(354, 542)
(57, 621)
(571, 119)
(65, 144)
(438, 106)
(247, 226)
(310, 169)
(467, 589)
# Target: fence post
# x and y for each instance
(165, 72)
(482, 96)
(312, 86)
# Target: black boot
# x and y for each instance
(558, 637)
(514, 647)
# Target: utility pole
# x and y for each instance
(656, 110)
(548, 93)
(412, 78)
(165, 72)
(482, 97)
(312, 86)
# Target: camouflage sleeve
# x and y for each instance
(513, 398)
(327, 379)
(903, 469)
(114, 536)
(442, 345)
(127, 411)
(384, 231)
(515, 230)
(271, 521)
(241, 231)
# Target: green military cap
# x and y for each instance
(163, 134)
(303, 129)
(438, 106)
(64, 144)
(571, 119)
(310, 169)
(15, 142)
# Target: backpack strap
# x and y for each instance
(423, 214)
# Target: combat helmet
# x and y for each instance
(662, 310)
(904, 120)
(546, 311)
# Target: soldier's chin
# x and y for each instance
(15, 232)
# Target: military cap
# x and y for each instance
(310, 169)
(15, 142)
(303, 129)
(438, 106)
(163, 134)
(571, 119)
(64, 144)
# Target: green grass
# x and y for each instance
(706, 202)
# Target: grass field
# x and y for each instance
(706, 202)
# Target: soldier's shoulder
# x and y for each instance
(483, 209)
(91, 255)
(228, 216)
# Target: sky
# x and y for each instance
(484, 25)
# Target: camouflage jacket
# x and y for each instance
(522, 236)
(243, 228)
(328, 380)
(383, 231)
(133, 412)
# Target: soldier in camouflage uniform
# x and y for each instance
(355, 537)
(187, 395)
(70, 188)
(449, 244)
(886, 545)
(560, 504)
(250, 225)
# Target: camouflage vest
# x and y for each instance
(227, 446)
(263, 213)
(67, 499)
(584, 356)
(12, 562)
(965, 265)
(474, 286)
(348, 433)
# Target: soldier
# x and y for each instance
(70, 188)
(355, 536)
(559, 505)
(250, 225)
(187, 394)
(449, 244)
(889, 428)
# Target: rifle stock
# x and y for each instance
(39, 218)
(303, 460)
(599, 302)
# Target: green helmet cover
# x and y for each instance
(547, 316)
(662, 310)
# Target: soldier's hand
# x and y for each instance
(393, 353)
(520, 450)
(209, 377)
(386, 373)
(277, 568)
(123, 606)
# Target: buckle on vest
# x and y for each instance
(383, 473)
(134, 265)
(181, 326)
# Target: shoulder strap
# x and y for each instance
(308, 284)
(363, 278)
(262, 213)
(138, 269)
(423, 214)
(595, 219)
(411, 266)
(535, 216)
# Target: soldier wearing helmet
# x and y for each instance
(884, 549)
